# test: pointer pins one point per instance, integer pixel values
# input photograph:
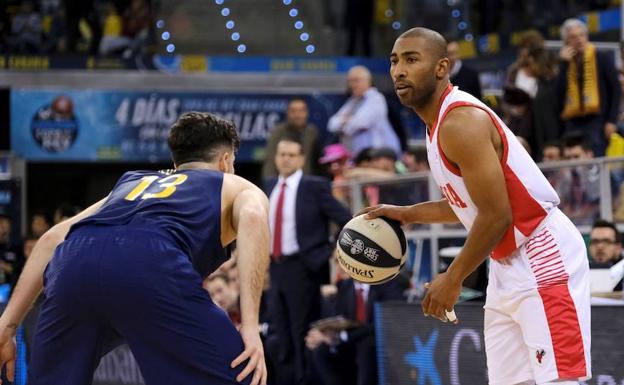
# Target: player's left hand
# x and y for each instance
(8, 352)
(442, 294)
(255, 353)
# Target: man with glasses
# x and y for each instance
(605, 246)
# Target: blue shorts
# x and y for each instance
(135, 283)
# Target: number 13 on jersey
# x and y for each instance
(167, 187)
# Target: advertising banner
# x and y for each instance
(416, 350)
(94, 125)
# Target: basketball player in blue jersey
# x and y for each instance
(132, 265)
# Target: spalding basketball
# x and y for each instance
(371, 251)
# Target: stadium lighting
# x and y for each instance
(170, 48)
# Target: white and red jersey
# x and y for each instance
(530, 194)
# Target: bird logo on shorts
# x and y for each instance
(539, 354)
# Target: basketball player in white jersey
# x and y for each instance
(537, 311)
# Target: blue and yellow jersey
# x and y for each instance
(184, 206)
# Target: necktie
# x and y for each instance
(360, 305)
(277, 233)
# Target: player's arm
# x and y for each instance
(250, 221)
(30, 283)
(426, 212)
(472, 148)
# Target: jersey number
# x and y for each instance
(167, 184)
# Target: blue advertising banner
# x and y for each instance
(92, 125)
(415, 350)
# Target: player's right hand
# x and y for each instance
(8, 352)
(255, 353)
(389, 211)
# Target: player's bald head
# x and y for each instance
(435, 44)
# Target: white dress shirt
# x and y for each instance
(363, 123)
(365, 288)
(289, 225)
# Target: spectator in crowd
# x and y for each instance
(358, 18)
(560, 178)
(80, 13)
(530, 93)
(223, 294)
(56, 36)
(297, 126)
(301, 208)
(137, 22)
(26, 29)
(605, 246)
(336, 158)
(462, 75)
(587, 86)
(339, 354)
(551, 152)
(363, 120)
(415, 159)
(39, 224)
(113, 41)
(582, 202)
(11, 257)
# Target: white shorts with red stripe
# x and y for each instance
(537, 312)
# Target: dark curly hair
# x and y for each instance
(198, 137)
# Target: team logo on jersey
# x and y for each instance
(371, 253)
(357, 245)
(539, 354)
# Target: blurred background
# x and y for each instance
(89, 89)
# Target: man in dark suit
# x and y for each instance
(462, 76)
(337, 355)
(301, 208)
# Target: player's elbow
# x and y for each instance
(504, 218)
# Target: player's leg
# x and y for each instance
(157, 303)
(69, 335)
(555, 317)
(504, 346)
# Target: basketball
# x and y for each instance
(371, 251)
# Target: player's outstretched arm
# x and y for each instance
(30, 283)
(426, 212)
(250, 220)
(473, 148)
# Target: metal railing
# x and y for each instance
(588, 189)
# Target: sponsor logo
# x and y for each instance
(371, 254)
(354, 270)
(357, 245)
(539, 354)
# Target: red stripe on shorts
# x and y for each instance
(565, 330)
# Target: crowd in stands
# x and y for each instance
(95, 27)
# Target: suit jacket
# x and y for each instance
(315, 208)
(345, 303)
(467, 80)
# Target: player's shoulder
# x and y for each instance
(234, 183)
(314, 180)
